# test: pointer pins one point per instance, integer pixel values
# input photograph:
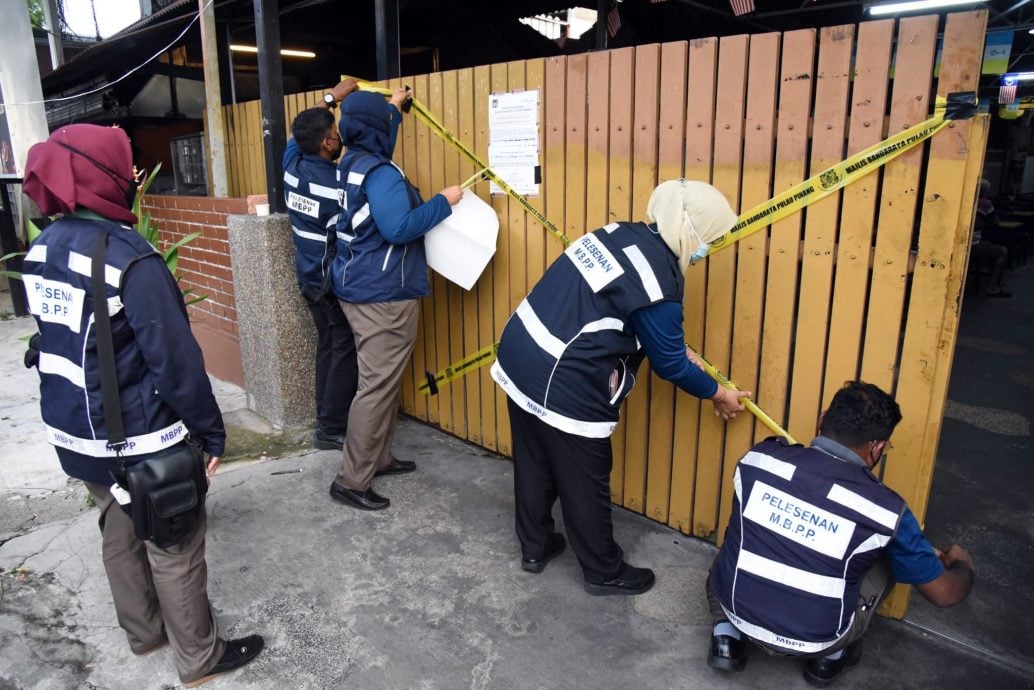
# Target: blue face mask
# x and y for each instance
(700, 253)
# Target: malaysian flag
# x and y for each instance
(1007, 91)
(741, 6)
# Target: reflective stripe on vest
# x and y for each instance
(136, 445)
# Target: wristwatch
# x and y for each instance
(329, 99)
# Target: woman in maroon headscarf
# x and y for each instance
(85, 172)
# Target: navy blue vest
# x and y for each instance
(368, 268)
(57, 283)
(805, 529)
(311, 194)
(569, 354)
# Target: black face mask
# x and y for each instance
(131, 185)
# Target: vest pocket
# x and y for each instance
(619, 383)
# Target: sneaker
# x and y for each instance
(630, 580)
(822, 672)
(553, 549)
(237, 654)
(726, 653)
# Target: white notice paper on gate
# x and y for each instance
(513, 140)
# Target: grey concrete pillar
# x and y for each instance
(278, 339)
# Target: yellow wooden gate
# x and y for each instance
(866, 283)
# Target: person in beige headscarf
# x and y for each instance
(569, 355)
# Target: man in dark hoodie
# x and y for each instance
(379, 273)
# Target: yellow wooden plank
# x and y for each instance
(797, 80)
(636, 410)
(645, 110)
(454, 294)
(257, 184)
(910, 103)
(756, 186)
(937, 282)
(671, 136)
(501, 297)
(490, 393)
(597, 130)
(700, 114)
(231, 165)
(554, 124)
(472, 382)
(721, 273)
(413, 401)
(536, 237)
(420, 175)
(619, 204)
(854, 245)
(827, 147)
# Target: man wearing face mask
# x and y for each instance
(379, 274)
(310, 192)
(816, 541)
(567, 364)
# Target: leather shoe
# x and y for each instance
(553, 549)
(629, 581)
(726, 653)
(238, 653)
(325, 441)
(396, 467)
(364, 500)
(822, 672)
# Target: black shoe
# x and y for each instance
(324, 441)
(238, 653)
(629, 581)
(396, 467)
(821, 672)
(364, 500)
(726, 653)
(553, 549)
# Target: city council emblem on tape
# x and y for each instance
(829, 179)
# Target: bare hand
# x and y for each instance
(344, 88)
(954, 554)
(213, 465)
(728, 402)
(401, 95)
(692, 356)
(452, 194)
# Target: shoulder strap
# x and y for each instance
(106, 347)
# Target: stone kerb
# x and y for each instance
(278, 341)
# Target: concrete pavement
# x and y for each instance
(427, 594)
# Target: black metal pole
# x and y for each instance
(602, 7)
(9, 244)
(271, 84)
(387, 19)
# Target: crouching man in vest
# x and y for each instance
(160, 594)
(815, 543)
(569, 356)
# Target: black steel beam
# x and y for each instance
(386, 16)
(271, 84)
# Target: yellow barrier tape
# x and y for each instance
(757, 218)
(751, 406)
(485, 355)
(828, 181)
(424, 116)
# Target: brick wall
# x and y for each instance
(205, 266)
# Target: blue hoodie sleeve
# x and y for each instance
(292, 152)
(659, 329)
(388, 195)
(153, 306)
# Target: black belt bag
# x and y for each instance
(167, 493)
(166, 488)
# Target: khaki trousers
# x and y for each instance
(385, 333)
(159, 594)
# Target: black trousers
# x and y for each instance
(337, 371)
(550, 464)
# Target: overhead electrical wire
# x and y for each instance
(151, 59)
